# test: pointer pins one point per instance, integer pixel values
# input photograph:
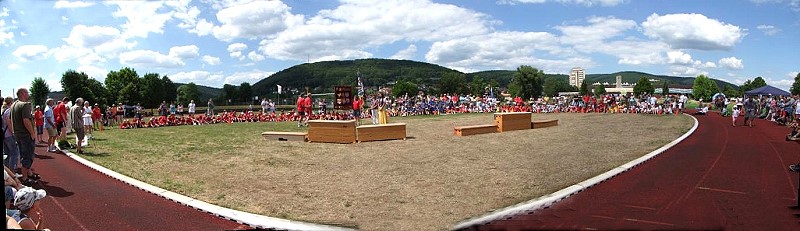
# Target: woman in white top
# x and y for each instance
(192, 108)
(87, 119)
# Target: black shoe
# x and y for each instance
(30, 182)
(34, 176)
(794, 168)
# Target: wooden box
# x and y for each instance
(285, 136)
(332, 131)
(510, 121)
(393, 131)
(474, 129)
(544, 123)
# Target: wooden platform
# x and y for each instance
(332, 131)
(474, 129)
(285, 136)
(544, 123)
(393, 131)
(511, 121)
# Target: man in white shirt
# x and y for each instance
(264, 105)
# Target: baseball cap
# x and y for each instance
(27, 196)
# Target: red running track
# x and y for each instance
(80, 198)
(720, 177)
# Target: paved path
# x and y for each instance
(721, 177)
(80, 198)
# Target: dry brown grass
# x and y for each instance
(428, 182)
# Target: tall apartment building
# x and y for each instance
(576, 76)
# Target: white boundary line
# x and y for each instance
(252, 220)
(547, 200)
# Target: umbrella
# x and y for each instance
(717, 95)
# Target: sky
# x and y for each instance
(216, 42)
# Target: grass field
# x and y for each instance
(428, 182)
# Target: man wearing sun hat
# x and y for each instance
(30, 214)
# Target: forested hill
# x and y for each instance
(204, 92)
(327, 74)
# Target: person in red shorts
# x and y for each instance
(38, 118)
(61, 117)
(301, 112)
(307, 106)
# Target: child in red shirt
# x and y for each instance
(39, 120)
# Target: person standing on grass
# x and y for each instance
(77, 124)
(87, 119)
(50, 125)
(97, 117)
(192, 108)
(307, 104)
(301, 112)
(373, 108)
(210, 110)
(38, 118)
(749, 110)
(22, 124)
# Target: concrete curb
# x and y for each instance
(252, 220)
(547, 200)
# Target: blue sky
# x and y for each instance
(233, 41)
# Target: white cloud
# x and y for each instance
(354, 26)
(687, 71)
(13, 66)
(91, 36)
(731, 63)
(236, 49)
(601, 28)
(184, 52)
(249, 76)
(793, 4)
(203, 28)
(54, 84)
(211, 60)
(792, 74)
(93, 71)
(253, 20)
(64, 18)
(692, 31)
(22, 34)
(204, 78)
(769, 29)
(684, 59)
(784, 84)
(143, 17)
(502, 50)
(587, 3)
(407, 53)
(255, 56)
(6, 36)
(31, 52)
(76, 4)
(148, 58)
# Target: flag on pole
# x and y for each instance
(360, 84)
(279, 89)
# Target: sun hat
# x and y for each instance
(27, 196)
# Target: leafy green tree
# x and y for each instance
(583, 90)
(730, 92)
(554, 85)
(795, 90)
(643, 86)
(750, 85)
(229, 92)
(665, 89)
(527, 82)
(453, 83)
(97, 92)
(477, 86)
(153, 89)
(245, 92)
(170, 90)
(187, 93)
(704, 88)
(39, 91)
(404, 87)
(599, 90)
(123, 83)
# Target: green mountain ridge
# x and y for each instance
(320, 77)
